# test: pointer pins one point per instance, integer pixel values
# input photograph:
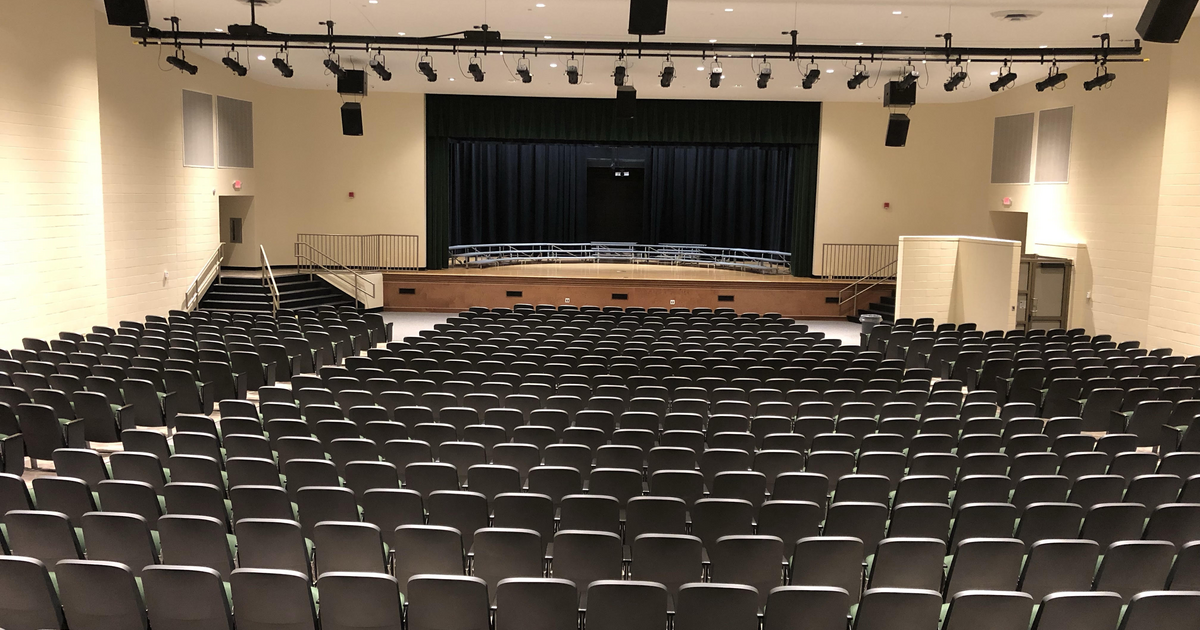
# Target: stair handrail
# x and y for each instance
(268, 278)
(204, 279)
(304, 253)
(875, 275)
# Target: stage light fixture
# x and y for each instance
(764, 75)
(910, 77)
(334, 67)
(1052, 80)
(1005, 78)
(860, 76)
(573, 72)
(958, 76)
(377, 64)
(233, 62)
(1103, 79)
(619, 72)
(715, 74)
(179, 61)
(475, 69)
(282, 66)
(425, 67)
(811, 76)
(523, 70)
(668, 73)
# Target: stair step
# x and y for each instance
(882, 308)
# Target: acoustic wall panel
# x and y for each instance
(1012, 149)
(198, 147)
(235, 132)
(1053, 146)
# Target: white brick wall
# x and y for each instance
(51, 217)
(925, 277)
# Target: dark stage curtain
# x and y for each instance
(658, 122)
(724, 196)
(503, 192)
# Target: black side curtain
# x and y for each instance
(704, 138)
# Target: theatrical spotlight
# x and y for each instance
(715, 74)
(233, 62)
(910, 77)
(811, 76)
(425, 67)
(764, 75)
(475, 69)
(377, 64)
(1053, 80)
(860, 77)
(668, 73)
(281, 64)
(1007, 76)
(573, 71)
(334, 67)
(1103, 78)
(523, 70)
(179, 61)
(619, 72)
(958, 76)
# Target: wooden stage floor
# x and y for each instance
(614, 284)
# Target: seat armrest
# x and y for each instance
(207, 397)
(1171, 438)
(74, 433)
(270, 369)
(125, 418)
(297, 363)
(12, 448)
(240, 381)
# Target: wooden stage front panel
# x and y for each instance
(454, 290)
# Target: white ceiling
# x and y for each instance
(847, 22)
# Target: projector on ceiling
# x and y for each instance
(248, 31)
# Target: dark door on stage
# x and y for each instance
(615, 201)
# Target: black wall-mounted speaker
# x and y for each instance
(626, 101)
(352, 123)
(1163, 21)
(353, 82)
(647, 17)
(897, 131)
(127, 12)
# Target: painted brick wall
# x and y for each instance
(925, 277)
(1174, 314)
(51, 217)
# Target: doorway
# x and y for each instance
(238, 231)
(615, 200)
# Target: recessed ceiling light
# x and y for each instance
(897, 12)
(1043, 46)
(730, 10)
(451, 78)
(219, 30)
(540, 5)
(924, 61)
(1107, 15)
(400, 33)
(700, 68)
(373, 1)
(545, 37)
(712, 41)
(858, 43)
(262, 57)
(994, 73)
(553, 65)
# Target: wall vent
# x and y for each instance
(620, 296)
(515, 293)
(404, 291)
(724, 298)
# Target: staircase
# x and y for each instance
(885, 307)
(248, 295)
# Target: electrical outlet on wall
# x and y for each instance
(672, 302)
(567, 301)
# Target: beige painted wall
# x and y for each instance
(925, 277)
(933, 184)
(1174, 313)
(985, 283)
(51, 212)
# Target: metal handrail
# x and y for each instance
(498, 254)
(847, 261)
(205, 278)
(340, 269)
(268, 279)
(368, 252)
(878, 275)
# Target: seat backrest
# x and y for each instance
(703, 606)
(429, 549)
(28, 598)
(1174, 610)
(536, 604)
(626, 605)
(186, 597)
(361, 600)
(444, 602)
(1078, 611)
(197, 541)
(898, 609)
(272, 599)
(752, 560)
(820, 608)
(273, 544)
(501, 553)
(976, 609)
(671, 560)
(119, 537)
(47, 536)
(101, 595)
(985, 564)
(586, 556)
(1133, 566)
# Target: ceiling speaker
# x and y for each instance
(626, 101)
(647, 17)
(352, 123)
(352, 82)
(127, 12)
(897, 131)
(1163, 21)
(896, 95)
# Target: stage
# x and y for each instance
(619, 284)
